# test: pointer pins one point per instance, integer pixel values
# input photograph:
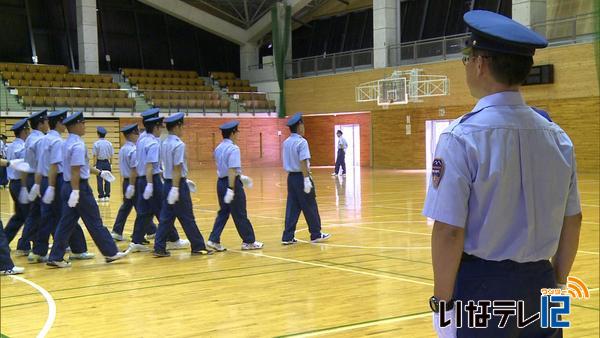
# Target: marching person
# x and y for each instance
(301, 192)
(102, 153)
(230, 191)
(503, 191)
(342, 145)
(178, 202)
(3, 176)
(78, 198)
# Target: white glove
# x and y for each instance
(307, 185)
(48, 195)
(73, 199)
(34, 192)
(23, 196)
(173, 195)
(228, 196)
(247, 181)
(19, 165)
(148, 191)
(130, 191)
(191, 185)
(448, 331)
(107, 176)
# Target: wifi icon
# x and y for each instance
(577, 288)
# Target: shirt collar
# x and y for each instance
(295, 135)
(508, 98)
(54, 133)
(36, 132)
(75, 137)
(226, 140)
(173, 137)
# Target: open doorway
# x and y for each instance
(351, 132)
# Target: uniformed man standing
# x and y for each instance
(17, 185)
(102, 153)
(50, 168)
(342, 145)
(503, 190)
(178, 203)
(3, 177)
(230, 191)
(78, 198)
(301, 192)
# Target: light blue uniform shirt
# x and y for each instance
(508, 178)
(172, 154)
(227, 156)
(342, 143)
(103, 149)
(15, 150)
(147, 151)
(2, 149)
(295, 149)
(75, 154)
(50, 147)
(127, 159)
(31, 149)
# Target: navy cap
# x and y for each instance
(154, 120)
(294, 119)
(497, 33)
(58, 114)
(20, 125)
(129, 129)
(38, 116)
(101, 130)
(175, 118)
(150, 113)
(73, 118)
(229, 125)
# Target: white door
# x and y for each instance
(351, 132)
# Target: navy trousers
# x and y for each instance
(480, 279)
(103, 186)
(5, 262)
(125, 210)
(88, 210)
(299, 201)
(32, 223)
(20, 214)
(341, 161)
(146, 209)
(237, 209)
(51, 214)
(182, 210)
(3, 177)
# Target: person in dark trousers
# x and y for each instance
(342, 145)
(3, 176)
(102, 153)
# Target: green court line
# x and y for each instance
(162, 285)
(352, 324)
(375, 270)
(3, 335)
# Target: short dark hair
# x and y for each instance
(150, 127)
(170, 126)
(54, 122)
(294, 127)
(339, 132)
(508, 69)
(227, 132)
(35, 124)
(101, 134)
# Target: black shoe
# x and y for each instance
(161, 253)
(290, 242)
(202, 252)
(145, 242)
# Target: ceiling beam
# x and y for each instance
(263, 25)
(344, 2)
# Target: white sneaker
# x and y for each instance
(22, 252)
(118, 256)
(14, 271)
(333, 174)
(68, 249)
(82, 256)
(133, 247)
(252, 246)
(322, 238)
(59, 264)
(151, 236)
(33, 258)
(216, 246)
(179, 244)
(116, 236)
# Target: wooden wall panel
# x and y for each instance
(320, 135)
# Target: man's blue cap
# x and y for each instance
(129, 129)
(101, 130)
(73, 118)
(38, 116)
(294, 119)
(497, 33)
(229, 125)
(154, 120)
(175, 118)
(58, 114)
(20, 125)
(150, 113)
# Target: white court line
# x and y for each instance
(589, 252)
(369, 247)
(360, 326)
(593, 290)
(49, 300)
(590, 205)
(332, 267)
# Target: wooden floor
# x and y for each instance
(373, 278)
